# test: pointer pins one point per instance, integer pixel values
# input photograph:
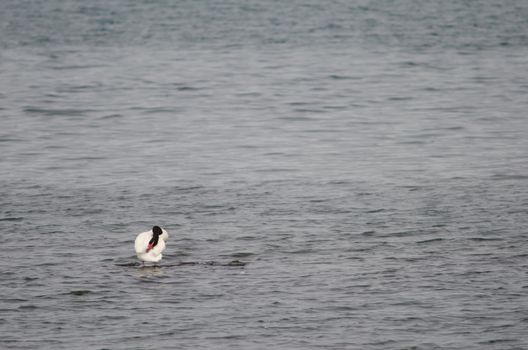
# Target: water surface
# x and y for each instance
(367, 161)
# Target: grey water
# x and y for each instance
(366, 160)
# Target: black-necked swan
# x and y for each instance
(150, 244)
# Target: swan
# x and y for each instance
(150, 244)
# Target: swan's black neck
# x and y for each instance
(156, 232)
(154, 240)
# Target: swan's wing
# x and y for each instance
(159, 247)
(141, 242)
(164, 235)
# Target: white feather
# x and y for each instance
(164, 235)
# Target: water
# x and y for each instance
(366, 160)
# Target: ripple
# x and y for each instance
(242, 254)
(432, 240)
(80, 292)
(57, 112)
(12, 219)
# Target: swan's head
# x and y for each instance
(156, 230)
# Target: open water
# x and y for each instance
(366, 160)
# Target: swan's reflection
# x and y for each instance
(150, 271)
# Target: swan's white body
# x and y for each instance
(142, 242)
